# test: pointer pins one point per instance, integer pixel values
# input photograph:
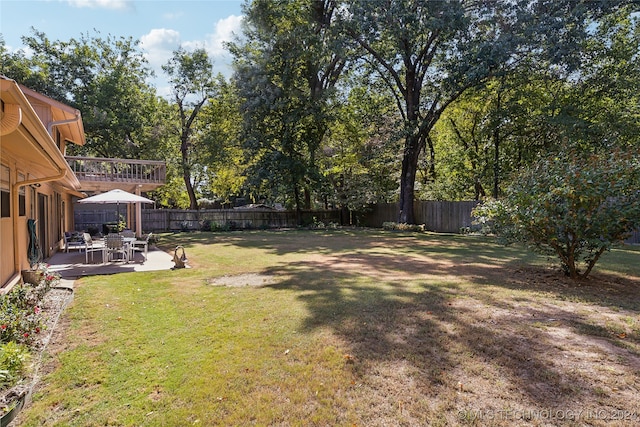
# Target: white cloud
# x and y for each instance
(224, 31)
(159, 45)
(103, 4)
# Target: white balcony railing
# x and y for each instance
(98, 169)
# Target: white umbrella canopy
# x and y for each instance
(116, 196)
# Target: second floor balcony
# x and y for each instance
(102, 174)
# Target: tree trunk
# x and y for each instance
(478, 189)
(496, 144)
(307, 198)
(408, 180)
(496, 163)
(296, 193)
(185, 144)
(432, 159)
(593, 261)
(186, 174)
(186, 169)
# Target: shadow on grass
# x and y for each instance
(390, 324)
(406, 301)
(393, 309)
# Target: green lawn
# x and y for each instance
(346, 328)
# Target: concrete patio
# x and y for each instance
(71, 265)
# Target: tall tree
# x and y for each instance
(221, 131)
(430, 53)
(605, 96)
(193, 84)
(359, 155)
(286, 70)
(490, 131)
(542, 105)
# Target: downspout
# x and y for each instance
(14, 205)
(51, 125)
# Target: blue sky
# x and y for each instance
(160, 25)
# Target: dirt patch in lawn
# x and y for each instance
(240, 280)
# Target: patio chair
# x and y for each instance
(128, 233)
(142, 246)
(93, 246)
(115, 245)
(73, 240)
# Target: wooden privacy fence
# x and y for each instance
(87, 219)
(442, 217)
(445, 217)
(155, 220)
(158, 220)
(634, 239)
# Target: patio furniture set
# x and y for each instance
(114, 247)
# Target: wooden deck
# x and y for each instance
(101, 174)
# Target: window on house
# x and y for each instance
(5, 192)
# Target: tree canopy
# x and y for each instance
(103, 77)
(341, 103)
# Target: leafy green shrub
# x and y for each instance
(14, 360)
(395, 226)
(317, 224)
(572, 205)
(209, 225)
(20, 315)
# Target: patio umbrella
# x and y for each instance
(116, 196)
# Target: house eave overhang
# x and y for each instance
(67, 119)
(30, 140)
